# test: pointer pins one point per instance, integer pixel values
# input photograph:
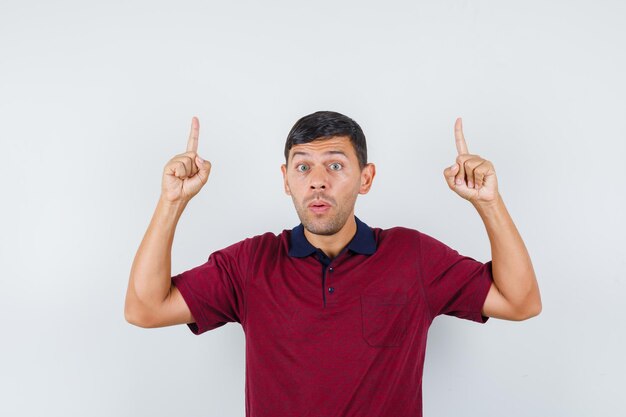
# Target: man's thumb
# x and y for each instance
(450, 173)
(204, 168)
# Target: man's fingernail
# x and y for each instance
(459, 181)
(453, 167)
(200, 159)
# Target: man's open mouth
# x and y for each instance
(319, 206)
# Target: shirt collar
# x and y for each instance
(363, 241)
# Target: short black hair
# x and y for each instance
(324, 125)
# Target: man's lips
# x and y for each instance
(319, 203)
(319, 206)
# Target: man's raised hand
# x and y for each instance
(471, 177)
(185, 174)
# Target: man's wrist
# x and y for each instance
(171, 208)
(489, 207)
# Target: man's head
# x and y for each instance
(323, 125)
(326, 168)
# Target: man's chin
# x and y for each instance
(321, 227)
(321, 231)
(324, 224)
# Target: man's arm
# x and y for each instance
(151, 298)
(148, 297)
(514, 294)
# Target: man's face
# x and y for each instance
(323, 178)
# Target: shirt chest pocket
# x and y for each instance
(384, 318)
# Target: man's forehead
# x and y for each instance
(332, 144)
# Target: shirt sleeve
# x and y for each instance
(454, 284)
(215, 290)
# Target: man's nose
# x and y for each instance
(318, 179)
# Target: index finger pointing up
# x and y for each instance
(192, 142)
(461, 146)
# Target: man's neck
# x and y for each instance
(332, 245)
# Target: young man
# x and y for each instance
(335, 313)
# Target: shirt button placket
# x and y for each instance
(331, 289)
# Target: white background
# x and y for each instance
(96, 97)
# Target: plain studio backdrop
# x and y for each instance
(96, 97)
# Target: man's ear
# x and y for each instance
(283, 169)
(367, 177)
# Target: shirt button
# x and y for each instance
(331, 269)
(331, 289)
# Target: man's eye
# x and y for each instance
(302, 168)
(335, 166)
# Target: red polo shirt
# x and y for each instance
(342, 337)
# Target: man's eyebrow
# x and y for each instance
(336, 153)
(325, 153)
(299, 153)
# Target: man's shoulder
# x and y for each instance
(396, 238)
(397, 232)
(263, 241)
(401, 238)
